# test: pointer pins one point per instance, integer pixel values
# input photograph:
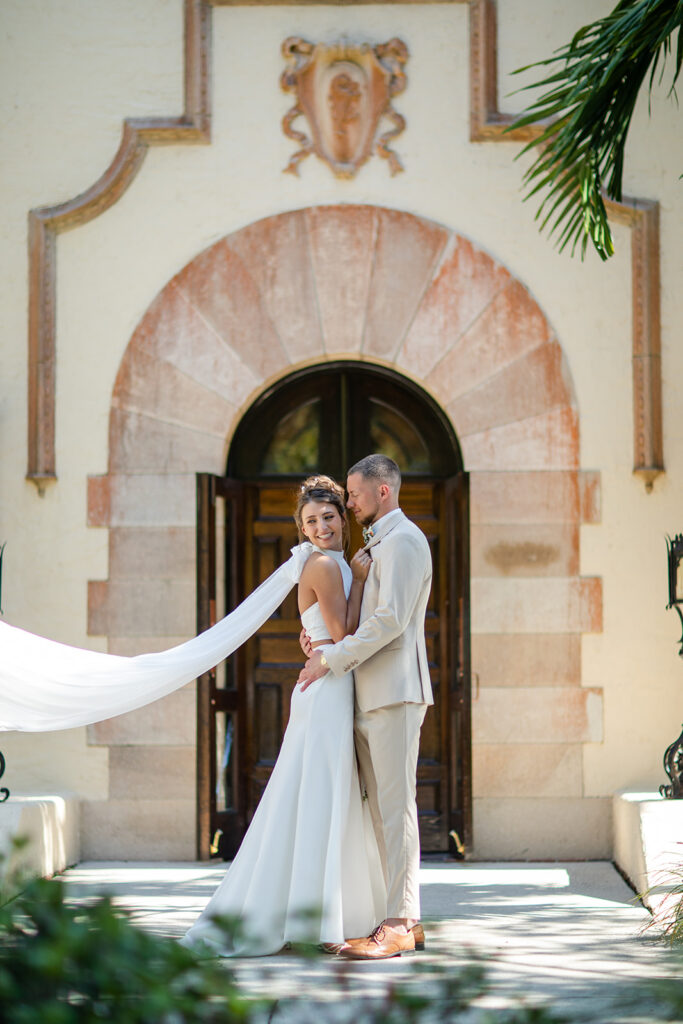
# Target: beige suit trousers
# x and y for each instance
(387, 742)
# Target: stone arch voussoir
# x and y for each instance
(358, 281)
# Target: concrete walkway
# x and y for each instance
(564, 934)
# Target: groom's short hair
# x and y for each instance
(380, 468)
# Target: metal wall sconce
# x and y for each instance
(673, 758)
(675, 554)
(4, 792)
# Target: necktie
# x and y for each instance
(368, 532)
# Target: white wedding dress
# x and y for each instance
(308, 869)
(310, 848)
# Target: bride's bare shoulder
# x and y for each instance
(320, 567)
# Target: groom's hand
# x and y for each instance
(311, 671)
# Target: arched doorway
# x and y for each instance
(326, 417)
(315, 287)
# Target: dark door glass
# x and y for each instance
(328, 418)
(295, 444)
(394, 435)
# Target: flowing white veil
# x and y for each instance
(46, 685)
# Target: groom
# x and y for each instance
(389, 659)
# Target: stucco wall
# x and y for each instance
(70, 74)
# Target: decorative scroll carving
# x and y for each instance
(488, 124)
(344, 91)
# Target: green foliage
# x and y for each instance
(668, 997)
(60, 965)
(672, 925)
(585, 115)
(668, 917)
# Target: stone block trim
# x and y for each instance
(531, 496)
(152, 773)
(141, 607)
(142, 500)
(537, 715)
(129, 646)
(551, 770)
(164, 552)
(543, 828)
(541, 605)
(99, 501)
(524, 549)
(138, 829)
(526, 659)
(168, 722)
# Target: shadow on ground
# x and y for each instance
(567, 935)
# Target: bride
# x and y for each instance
(310, 849)
(308, 868)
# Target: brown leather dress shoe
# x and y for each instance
(384, 942)
(417, 930)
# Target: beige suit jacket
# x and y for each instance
(387, 653)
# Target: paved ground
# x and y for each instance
(567, 935)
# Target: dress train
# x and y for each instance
(308, 869)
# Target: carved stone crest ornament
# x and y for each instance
(344, 91)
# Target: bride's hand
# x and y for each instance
(360, 565)
(305, 643)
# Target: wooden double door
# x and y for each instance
(245, 531)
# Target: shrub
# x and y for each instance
(61, 964)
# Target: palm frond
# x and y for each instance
(585, 113)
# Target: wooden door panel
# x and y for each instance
(269, 675)
(219, 717)
(282, 648)
(421, 501)
(457, 653)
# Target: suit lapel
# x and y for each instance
(384, 528)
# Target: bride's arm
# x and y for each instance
(360, 567)
(322, 576)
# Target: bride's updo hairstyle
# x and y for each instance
(323, 490)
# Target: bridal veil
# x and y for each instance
(45, 685)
